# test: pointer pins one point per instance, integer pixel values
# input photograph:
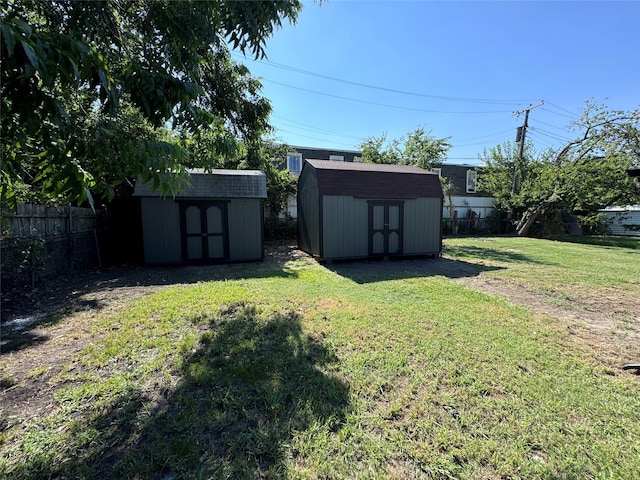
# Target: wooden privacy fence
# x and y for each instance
(40, 241)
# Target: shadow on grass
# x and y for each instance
(251, 386)
(379, 271)
(14, 339)
(483, 253)
(23, 311)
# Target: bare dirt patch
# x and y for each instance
(41, 330)
(606, 325)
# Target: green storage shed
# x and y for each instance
(359, 210)
(218, 219)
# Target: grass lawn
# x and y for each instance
(576, 276)
(291, 369)
(603, 240)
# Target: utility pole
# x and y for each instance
(521, 132)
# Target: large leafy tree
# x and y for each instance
(418, 148)
(89, 89)
(586, 174)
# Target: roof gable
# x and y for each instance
(368, 180)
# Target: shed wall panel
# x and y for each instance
(345, 227)
(422, 226)
(245, 229)
(308, 213)
(160, 230)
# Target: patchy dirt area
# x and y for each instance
(608, 327)
(52, 321)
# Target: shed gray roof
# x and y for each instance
(370, 180)
(217, 184)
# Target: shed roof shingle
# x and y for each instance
(368, 180)
(217, 184)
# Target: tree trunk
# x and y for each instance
(447, 190)
(454, 221)
(528, 220)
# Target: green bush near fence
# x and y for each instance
(23, 258)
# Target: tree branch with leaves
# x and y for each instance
(418, 148)
(585, 175)
(75, 73)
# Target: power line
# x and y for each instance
(385, 89)
(550, 134)
(313, 128)
(545, 141)
(350, 145)
(564, 129)
(323, 132)
(480, 139)
(376, 103)
(297, 130)
(475, 143)
(559, 113)
(561, 108)
(361, 139)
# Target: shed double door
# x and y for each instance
(385, 228)
(205, 236)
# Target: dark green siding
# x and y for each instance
(422, 226)
(308, 212)
(344, 227)
(160, 230)
(162, 236)
(245, 229)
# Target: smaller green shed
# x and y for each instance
(359, 210)
(218, 219)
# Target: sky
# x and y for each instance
(350, 70)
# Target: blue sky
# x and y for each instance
(349, 70)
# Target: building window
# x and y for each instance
(294, 163)
(336, 158)
(437, 170)
(472, 176)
